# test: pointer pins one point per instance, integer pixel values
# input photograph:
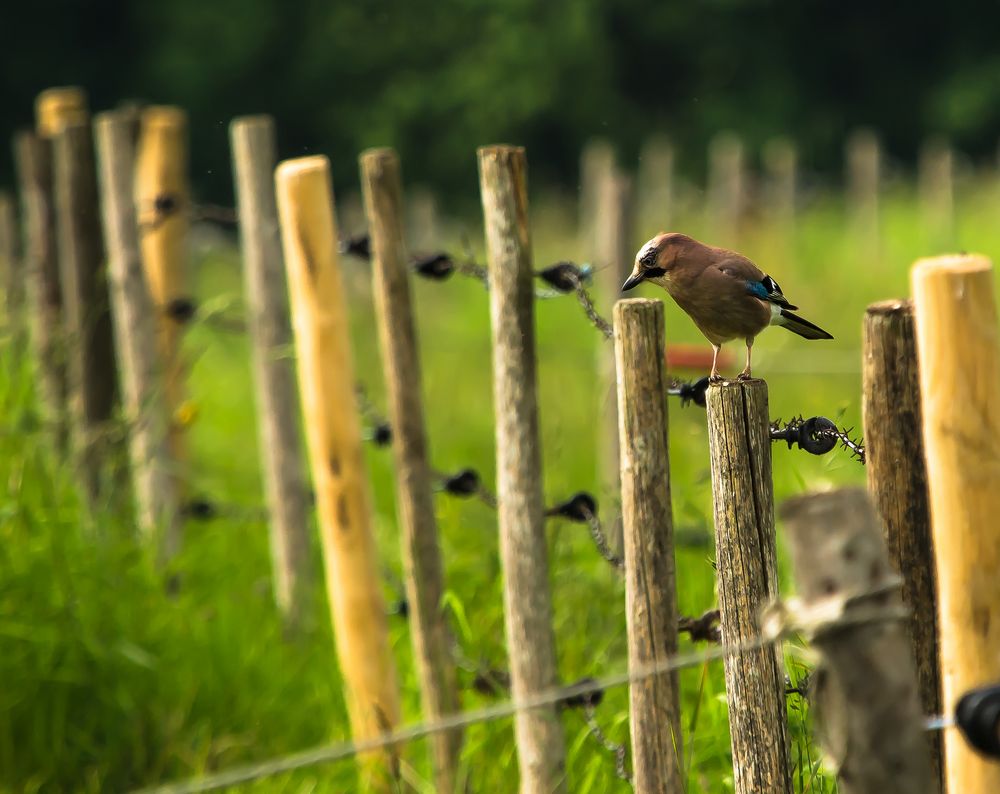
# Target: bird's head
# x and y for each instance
(657, 258)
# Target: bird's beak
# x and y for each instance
(637, 277)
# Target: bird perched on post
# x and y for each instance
(726, 294)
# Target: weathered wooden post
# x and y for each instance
(43, 294)
(726, 186)
(382, 190)
(141, 370)
(523, 551)
(613, 256)
(864, 165)
(650, 592)
(92, 372)
(958, 346)
(740, 448)
(937, 193)
(866, 688)
(254, 158)
(897, 482)
(162, 196)
(333, 434)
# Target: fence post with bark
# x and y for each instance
(285, 484)
(140, 367)
(424, 571)
(647, 521)
(743, 493)
(43, 294)
(865, 690)
(897, 481)
(92, 372)
(524, 554)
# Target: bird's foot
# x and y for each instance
(744, 375)
(715, 378)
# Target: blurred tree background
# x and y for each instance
(436, 79)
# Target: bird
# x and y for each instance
(724, 293)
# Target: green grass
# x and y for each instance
(110, 682)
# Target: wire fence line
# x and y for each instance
(781, 625)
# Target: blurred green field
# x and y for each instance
(109, 682)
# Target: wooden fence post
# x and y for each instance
(161, 193)
(333, 431)
(43, 293)
(613, 256)
(278, 421)
(650, 592)
(726, 186)
(863, 183)
(742, 490)
(958, 346)
(866, 689)
(523, 550)
(897, 481)
(91, 368)
(135, 333)
(937, 195)
(10, 269)
(432, 641)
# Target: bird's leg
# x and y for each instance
(715, 377)
(745, 374)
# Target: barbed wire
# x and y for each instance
(580, 694)
(561, 278)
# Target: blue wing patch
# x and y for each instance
(767, 289)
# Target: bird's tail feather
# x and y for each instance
(799, 325)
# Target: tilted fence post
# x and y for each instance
(523, 551)
(432, 641)
(285, 484)
(333, 433)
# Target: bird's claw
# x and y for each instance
(715, 379)
(744, 376)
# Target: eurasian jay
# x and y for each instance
(726, 294)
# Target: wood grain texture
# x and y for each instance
(897, 482)
(647, 521)
(43, 294)
(742, 490)
(333, 434)
(381, 186)
(865, 690)
(140, 368)
(92, 373)
(957, 346)
(278, 418)
(523, 549)
(163, 199)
